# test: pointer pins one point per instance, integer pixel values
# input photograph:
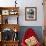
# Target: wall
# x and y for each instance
(27, 3)
(32, 3)
(37, 25)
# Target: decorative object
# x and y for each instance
(13, 12)
(30, 13)
(5, 12)
(15, 37)
(7, 34)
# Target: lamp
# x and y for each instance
(15, 3)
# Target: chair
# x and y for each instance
(28, 36)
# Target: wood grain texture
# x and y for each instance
(11, 26)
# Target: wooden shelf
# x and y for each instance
(4, 13)
(9, 9)
(11, 26)
(10, 43)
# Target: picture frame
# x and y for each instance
(30, 13)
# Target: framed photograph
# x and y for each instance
(31, 13)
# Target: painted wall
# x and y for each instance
(26, 3)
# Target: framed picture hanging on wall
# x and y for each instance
(30, 13)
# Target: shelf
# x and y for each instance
(6, 12)
(11, 26)
(11, 41)
(9, 11)
(6, 24)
